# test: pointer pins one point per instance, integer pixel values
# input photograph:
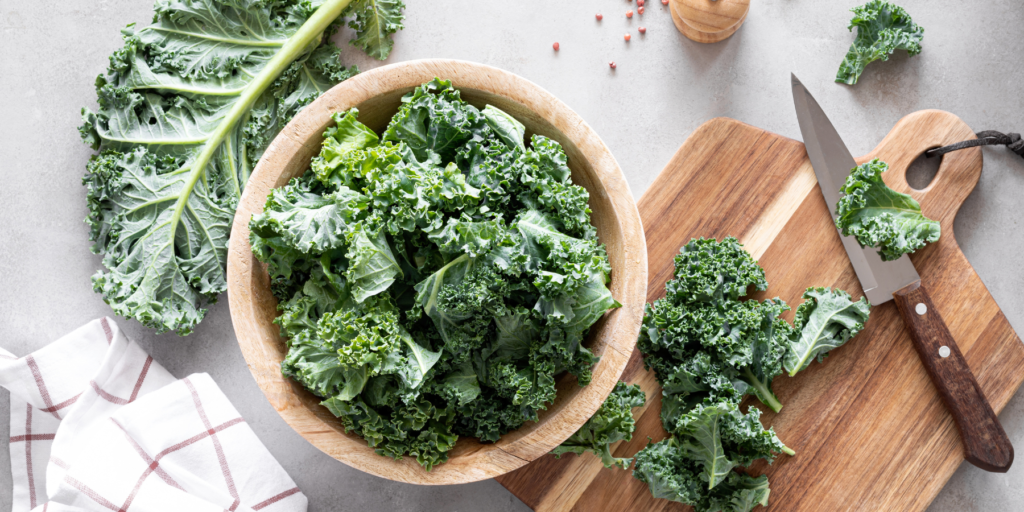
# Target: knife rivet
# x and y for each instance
(943, 351)
(921, 309)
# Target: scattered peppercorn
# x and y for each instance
(611, 64)
(599, 17)
(629, 14)
(555, 46)
(664, 2)
(643, 30)
(640, 3)
(640, 10)
(626, 37)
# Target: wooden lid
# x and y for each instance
(708, 21)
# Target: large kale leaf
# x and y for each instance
(825, 320)
(881, 217)
(882, 28)
(186, 109)
(613, 422)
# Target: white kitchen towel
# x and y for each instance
(97, 425)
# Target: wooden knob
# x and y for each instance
(707, 21)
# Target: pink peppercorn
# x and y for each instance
(611, 64)
(555, 46)
(640, 3)
(643, 30)
(664, 2)
(626, 37)
(629, 14)
(640, 10)
(599, 17)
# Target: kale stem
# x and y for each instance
(763, 390)
(788, 451)
(297, 44)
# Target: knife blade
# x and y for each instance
(985, 441)
(832, 163)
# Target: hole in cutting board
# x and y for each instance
(922, 171)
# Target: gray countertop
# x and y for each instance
(665, 87)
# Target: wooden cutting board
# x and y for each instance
(869, 429)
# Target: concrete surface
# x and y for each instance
(665, 86)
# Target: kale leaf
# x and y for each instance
(825, 320)
(881, 217)
(613, 422)
(701, 329)
(671, 471)
(882, 28)
(186, 109)
(374, 22)
(433, 282)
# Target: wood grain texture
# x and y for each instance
(870, 430)
(708, 21)
(377, 94)
(985, 441)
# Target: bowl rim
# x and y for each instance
(516, 448)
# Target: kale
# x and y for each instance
(882, 28)
(613, 422)
(186, 109)
(701, 340)
(708, 350)
(825, 320)
(434, 281)
(878, 216)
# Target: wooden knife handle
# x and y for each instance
(985, 442)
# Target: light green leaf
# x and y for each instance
(418, 361)
(462, 384)
(881, 217)
(372, 265)
(427, 294)
(825, 320)
(506, 127)
(700, 435)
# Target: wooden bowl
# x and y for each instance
(377, 94)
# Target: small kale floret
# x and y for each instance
(878, 216)
(711, 271)
(825, 320)
(613, 422)
(882, 28)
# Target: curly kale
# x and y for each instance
(613, 422)
(825, 320)
(882, 28)
(708, 350)
(711, 271)
(878, 216)
(433, 282)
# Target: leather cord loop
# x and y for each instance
(985, 138)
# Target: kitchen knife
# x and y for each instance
(985, 442)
